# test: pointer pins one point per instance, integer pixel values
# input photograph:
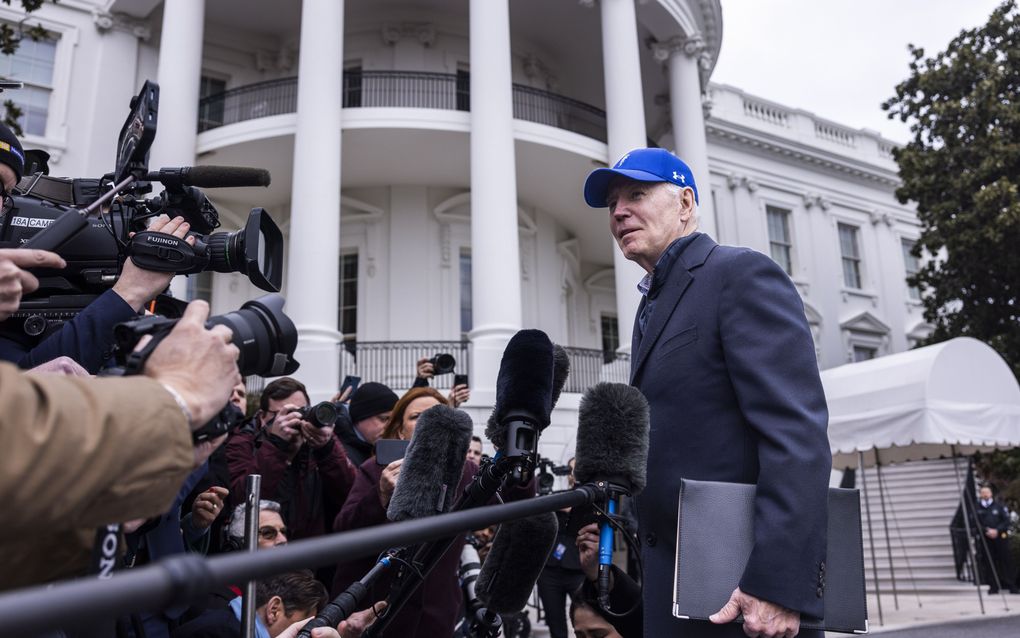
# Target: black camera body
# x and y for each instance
(97, 224)
(443, 363)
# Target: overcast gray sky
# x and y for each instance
(839, 59)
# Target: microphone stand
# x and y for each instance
(515, 463)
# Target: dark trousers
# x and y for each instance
(998, 555)
(554, 585)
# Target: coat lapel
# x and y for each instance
(680, 279)
(669, 297)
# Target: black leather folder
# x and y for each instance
(715, 534)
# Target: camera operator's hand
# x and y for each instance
(288, 426)
(459, 394)
(316, 437)
(588, 547)
(425, 369)
(137, 286)
(14, 281)
(197, 362)
(388, 481)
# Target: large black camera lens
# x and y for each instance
(265, 336)
(256, 251)
(321, 414)
(443, 363)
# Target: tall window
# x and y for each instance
(911, 265)
(210, 114)
(32, 64)
(779, 237)
(851, 254)
(610, 337)
(466, 318)
(348, 315)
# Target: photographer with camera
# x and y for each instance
(303, 467)
(427, 368)
(88, 452)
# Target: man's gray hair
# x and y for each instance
(235, 530)
(676, 190)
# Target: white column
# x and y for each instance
(313, 259)
(179, 78)
(625, 126)
(495, 253)
(686, 56)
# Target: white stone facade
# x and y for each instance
(401, 163)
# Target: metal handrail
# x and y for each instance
(589, 366)
(403, 89)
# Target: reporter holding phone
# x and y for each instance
(433, 610)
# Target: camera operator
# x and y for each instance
(87, 452)
(88, 338)
(303, 467)
(425, 370)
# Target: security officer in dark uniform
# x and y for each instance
(993, 519)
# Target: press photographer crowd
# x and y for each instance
(131, 443)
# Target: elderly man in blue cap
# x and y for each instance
(722, 350)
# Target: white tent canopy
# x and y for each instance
(956, 397)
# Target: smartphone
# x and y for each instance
(389, 450)
(350, 381)
(460, 379)
(579, 517)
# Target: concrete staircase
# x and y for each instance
(920, 500)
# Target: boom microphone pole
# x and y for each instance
(429, 476)
(524, 398)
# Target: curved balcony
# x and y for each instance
(403, 89)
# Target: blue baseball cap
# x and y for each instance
(643, 165)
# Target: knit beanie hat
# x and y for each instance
(371, 399)
(11, 152)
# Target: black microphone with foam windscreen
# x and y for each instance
(612, 453)
(524, 400)
(518, 556)
(210, 176)
(429, 476)
(433, 464)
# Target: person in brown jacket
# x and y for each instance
(83, 452)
